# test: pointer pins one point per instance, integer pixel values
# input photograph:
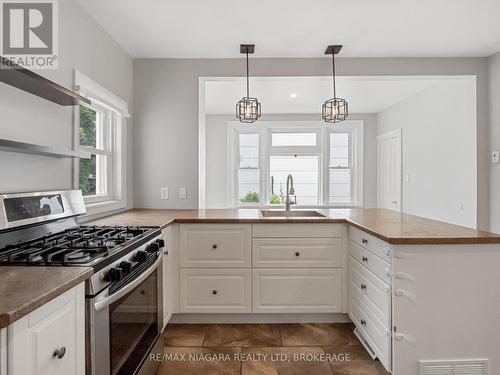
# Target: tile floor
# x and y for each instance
(265, 349)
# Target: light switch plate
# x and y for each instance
(164, 193)
(495, 157)
(182, 193)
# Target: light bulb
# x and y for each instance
(334, 109)
(248, 110)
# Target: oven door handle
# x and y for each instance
(100, 304)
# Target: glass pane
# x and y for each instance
(249, 186)
(340, 186)
(88, 127)
(294, 139)
(93, 175)
(339, 150)
(305, 173)
(249, 150)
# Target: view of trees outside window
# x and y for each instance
(88, 119)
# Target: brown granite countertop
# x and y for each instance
(391, 226)
(23, 289)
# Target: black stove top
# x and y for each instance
(79, 246)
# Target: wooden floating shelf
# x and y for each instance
(26, 80)
(33, 149)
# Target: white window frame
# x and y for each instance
(322, 149)
(115, 112)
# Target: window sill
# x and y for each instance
(95, 210)
(310, 207)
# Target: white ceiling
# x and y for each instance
(364, 94)
(294, 28)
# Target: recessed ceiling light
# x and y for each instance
(293, 96)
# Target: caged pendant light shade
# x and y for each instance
(248, 109)
(334, 109)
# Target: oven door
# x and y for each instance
(125, 326)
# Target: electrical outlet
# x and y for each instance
(495, 157)
(164, 193)
(182, 193)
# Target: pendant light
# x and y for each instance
(334, 109)
(248, 109)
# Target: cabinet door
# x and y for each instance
(50, 340)
(170, 271)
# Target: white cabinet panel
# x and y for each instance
(297, 290)
(298, 230)
(170, 272)
(375, 264)
(297, 252)
(215, 245)
(215, 290)
(371, 243)
(56, 327)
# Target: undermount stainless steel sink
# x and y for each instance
(282, 213)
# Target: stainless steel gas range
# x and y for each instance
(123, 297)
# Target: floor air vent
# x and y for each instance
(454, 367)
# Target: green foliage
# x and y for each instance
(275, 199)
(87, 138)
(251, 197)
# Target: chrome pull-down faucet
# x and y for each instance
(289, 191)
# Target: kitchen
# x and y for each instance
(161, 230)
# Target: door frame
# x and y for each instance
(397, 133)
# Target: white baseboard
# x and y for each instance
(258, 318)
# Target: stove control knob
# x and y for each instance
(114, 274)
(126, 266)
(153, 247)
(161, 243)
(141, 256)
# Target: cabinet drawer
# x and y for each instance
(215, 245)
(371, 243)
(297, 252)
(377, 336)
(374, 292)
(297, 290)
(215, 290)
(375, 264)
(298, 230)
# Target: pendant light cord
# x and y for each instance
(248, 81)
(333, 76)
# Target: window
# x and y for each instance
(325, 162)
(100, 134)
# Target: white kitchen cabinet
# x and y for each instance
(170, 269)
(215, 245)
(216, 290)
(51, 339)
(297, 290)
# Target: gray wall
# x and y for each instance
(216, 155)
(166, 113)
(494, 71)
(438, 150)
(84, 46)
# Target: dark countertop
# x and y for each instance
(391, 226)
(23, 289)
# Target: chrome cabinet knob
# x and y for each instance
(363, 286)
(364, 259)
(363, 322)
(214, 292)
(165, 252)
(297, 253)
(214, 246)
(364, 240)
(59, 353)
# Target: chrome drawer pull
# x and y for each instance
(59, 353)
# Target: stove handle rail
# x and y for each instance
(108, 300)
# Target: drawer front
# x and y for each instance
(215, 290)
(297, 252)
(371, 243)
(215, 245)
(375, 264)
(373, 291)
(298, 230)
(377, 336)
(297, 290)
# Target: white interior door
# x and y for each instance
(389, 170)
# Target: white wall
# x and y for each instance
(439, 150)
(166, 113)
(494, 74)
(216, 155)
(84, 46)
